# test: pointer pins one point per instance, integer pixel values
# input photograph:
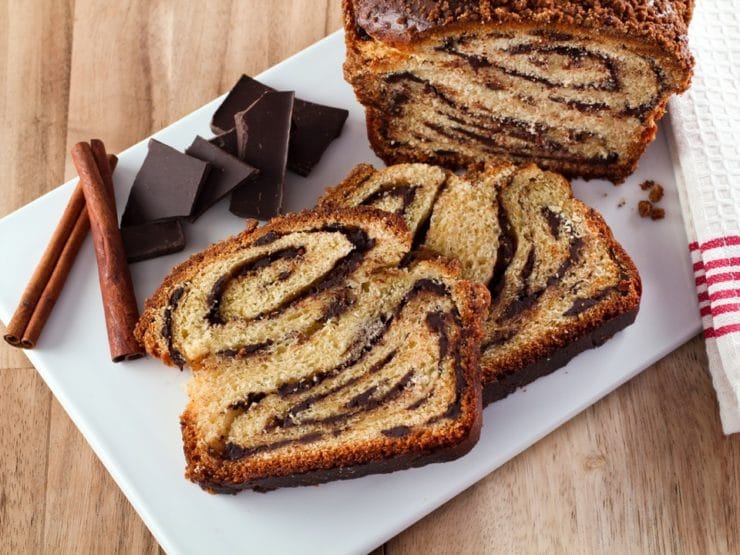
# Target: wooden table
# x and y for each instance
(646, 469)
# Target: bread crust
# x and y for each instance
(661, 24)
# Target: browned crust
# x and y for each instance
(383, 454)
(661, 23)
(148, 333)
(507, 383)
(338, 195)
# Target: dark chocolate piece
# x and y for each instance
(150, 240)
(314, 127)
(226, 141)
(165, 187)
(227, 173)
(262, 132)
(245, 93)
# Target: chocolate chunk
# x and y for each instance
(226, 141)
(150, 240)
(245, 93)
(166, 186)
(227, 173)
(262, 133)
(314, 127)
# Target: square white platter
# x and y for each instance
(129, 412)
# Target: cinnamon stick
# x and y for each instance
(116, 287)
(17, 333)
(63, 265)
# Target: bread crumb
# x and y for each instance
(656, 193)
(645, 185)
(645, 208)
(657, 213)
(622, 202)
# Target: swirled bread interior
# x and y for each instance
(525, 88)
(315, 356)
(559, 281)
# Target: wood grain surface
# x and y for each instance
(645, 470)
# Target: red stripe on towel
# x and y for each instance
(723, 330)
(720, 278)
(729, 241)
(718, 295)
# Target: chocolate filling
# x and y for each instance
(233, 452)
(583, 107)
(365, 343)
(507, 246)
(528, 267)
(245, 404)
(342, 268)
(437, 323)
(498, 337)
(406, 193)
(246, 350)
(553, 221)
(584, 303)
(174, 300)
(243, 269)
(266, 239)
(338, 305)
(525, 299)
(309, 401)
(485, 128)
(368, 399)
(396, 431)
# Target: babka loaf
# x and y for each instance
(559, 281)
(574, 86)
(315, 356)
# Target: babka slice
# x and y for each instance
(559, 281)
(317, 357)
(573, 86)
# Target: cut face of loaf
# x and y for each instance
(559, 282)
(317, 357)
(566, 97)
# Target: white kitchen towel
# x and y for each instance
(704, 136)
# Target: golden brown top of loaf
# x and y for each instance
(661, 22)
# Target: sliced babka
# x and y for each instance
(573, 86)
(559, 281)
(316, 356)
